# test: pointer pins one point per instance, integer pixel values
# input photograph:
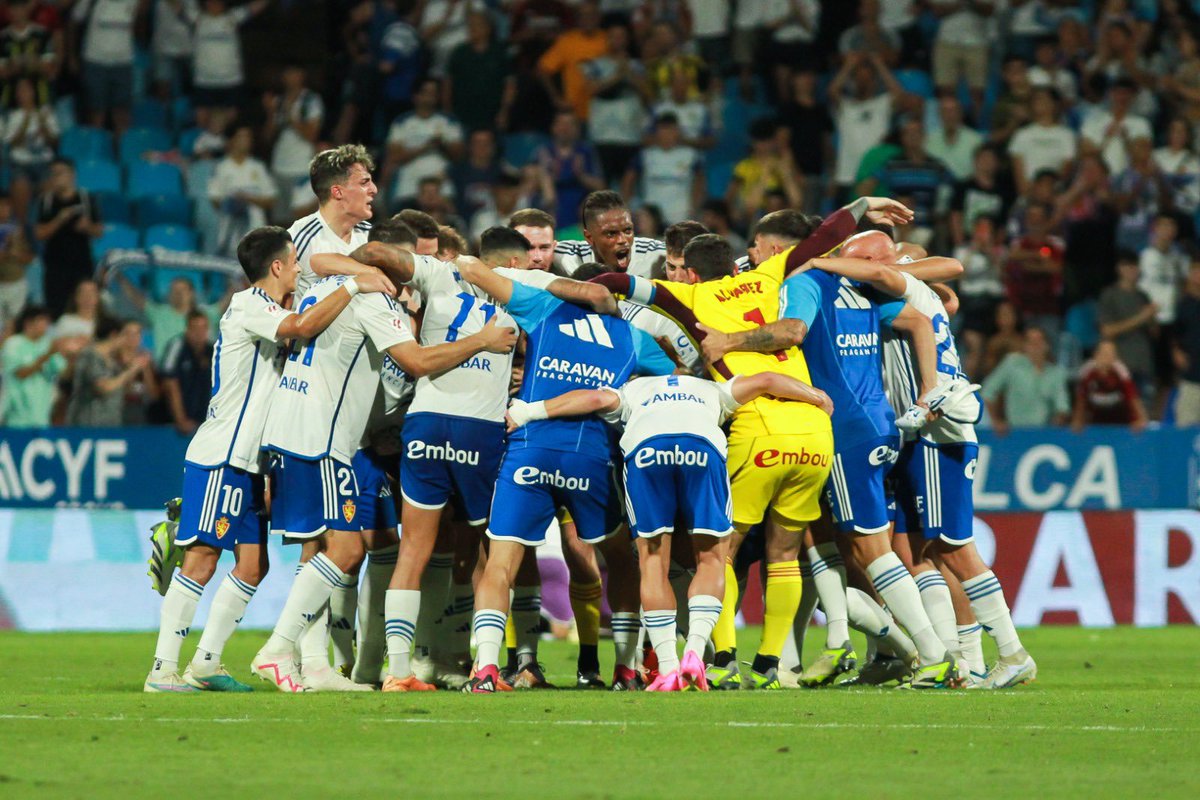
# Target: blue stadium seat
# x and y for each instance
(148, 179)
(181, 113)
(138, 141)
(170, 237)
(187, 141)
(916, 81)
(215, 286)
(116, 236)
(81, 143)
(163, 209)
(98, 175)
(149, 113)
(717, 175)
(113, 207)
(520, 147)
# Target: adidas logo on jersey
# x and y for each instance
(532, 476)
(848, 297)
(589, 329)
(418, 450)
(675, 457)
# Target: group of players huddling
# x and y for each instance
(790, 407)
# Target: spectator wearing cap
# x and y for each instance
(187, 374)
(1111, 132)
(668, 174)
(953, 142)
(617, 85)
(1105, 393)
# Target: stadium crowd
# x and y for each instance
(1049, 145)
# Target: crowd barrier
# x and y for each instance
(1094, 529)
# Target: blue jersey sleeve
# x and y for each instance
(889, 306)
(800, 298)
(651, 360)
(530, 306)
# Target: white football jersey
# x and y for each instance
(660, 326)
(571, 253)
(478, 387)
(673, 405)
(901, 381)
(329, 383)
(245, 370)
(312, 235)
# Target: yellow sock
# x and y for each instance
(780, 605)
(510, 634)
(585, 605)
(724, 635)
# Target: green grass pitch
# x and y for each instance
(1114, 713)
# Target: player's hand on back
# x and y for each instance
(715, 343)
(496, 338)
(824, 401)
(373, 280)
(886, 211)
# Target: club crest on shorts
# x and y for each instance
(348, 509)
(222, 527)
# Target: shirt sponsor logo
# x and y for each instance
(293, 384)
(675, 457)
(673, 397)
(883, 455)
(532, 476)
(418, 450)
(565, 370)
(858, 343)
(477, 362)
(775, 458)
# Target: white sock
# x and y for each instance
(174, 621)
(703, 610)
(987, 601)
(435, 588)
(228, 607)
(970, 644)
(489, 636)
(306, 603)
(343, 604)
(935, 596)
(680, 579)
(456, 619)
(372, 639)
(402, 608)
(808, 604)
(895, 585)
(829, 576)
(625, 629)
(882, 632)
(527, 620)
(660, 627)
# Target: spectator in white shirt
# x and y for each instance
(30, 133)
(171, 47)
(293, 123)
(1180, 166)
(422, 143)
(710, 32)
(862, 110)
(241, 190)
(695, 117)
(1109, 133)
(1163, 266)
(1043, 144)
(217, 52)
(107, 66)
(667, 174)
(960, 49)
(953, 143)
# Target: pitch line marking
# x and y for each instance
(622, 724)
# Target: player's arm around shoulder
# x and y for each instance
(884, 278)
(577, 403)
(744, 388)
(315, 319)
(372, 257)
